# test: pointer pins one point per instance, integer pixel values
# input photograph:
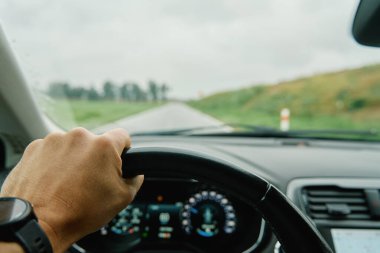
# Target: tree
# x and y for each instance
(59, 90)
(153, 90)
(93, 94)
(77, 93)
(109, 91)
(164, 89)
(138, 93)
(125, 92)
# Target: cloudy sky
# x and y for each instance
(196, 46)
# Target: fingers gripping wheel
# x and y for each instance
(291, 227)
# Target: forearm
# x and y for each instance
(10, 247)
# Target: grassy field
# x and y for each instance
(91, 114)
(347, 99)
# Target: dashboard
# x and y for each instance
(178, 214)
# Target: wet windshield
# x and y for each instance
(168, 65)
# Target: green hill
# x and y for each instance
(348, 99)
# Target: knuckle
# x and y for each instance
(128, 199)
(118, 162)
(103, 142)
(129, 196)
(126, 135)
(53, 136)
(33, 145)
(79, 132)
(129, 142)
(123, 131)
(124, 193)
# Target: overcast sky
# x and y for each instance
(194, 46)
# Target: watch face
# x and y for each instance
(11, 209)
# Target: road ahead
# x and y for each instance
(167, 117)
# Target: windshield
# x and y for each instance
(168, 65)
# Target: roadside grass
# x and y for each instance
(90, 114)
(347, 100)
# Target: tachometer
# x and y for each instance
(207, 214)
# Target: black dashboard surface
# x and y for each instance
(282, 160)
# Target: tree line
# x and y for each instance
(128, 91)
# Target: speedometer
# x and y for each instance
(207, 214)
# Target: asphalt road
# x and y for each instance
(167, 117)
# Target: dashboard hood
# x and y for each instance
(279, 161)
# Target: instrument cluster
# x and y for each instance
(179, 214)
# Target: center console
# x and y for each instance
(346, 211)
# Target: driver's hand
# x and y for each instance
(74, 183)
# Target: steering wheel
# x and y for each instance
(293, 230)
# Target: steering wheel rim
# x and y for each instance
(293, 230)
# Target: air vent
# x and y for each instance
(335, 203)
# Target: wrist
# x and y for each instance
(20, 226)
(57, 233)
(52, 236)
(10, 247)
(58, 229)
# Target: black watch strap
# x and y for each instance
(33, 239)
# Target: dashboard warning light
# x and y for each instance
(160, 198)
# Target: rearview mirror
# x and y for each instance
(366, 27)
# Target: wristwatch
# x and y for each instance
(18, 223)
